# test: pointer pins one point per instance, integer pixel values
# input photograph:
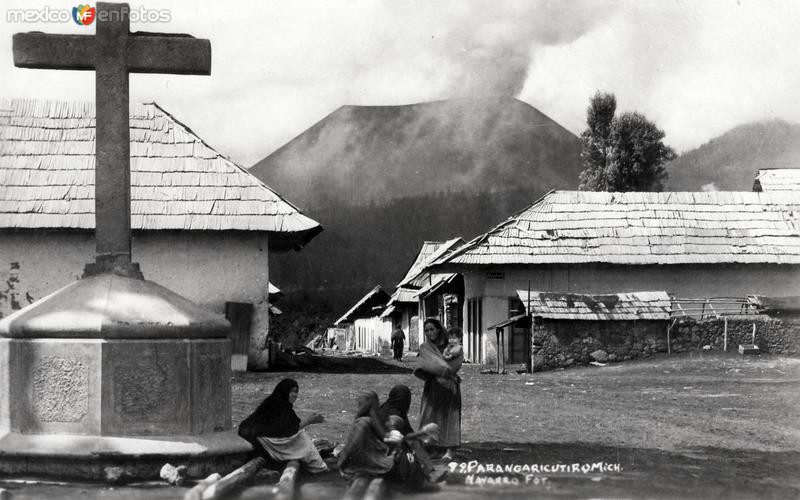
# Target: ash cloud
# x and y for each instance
(488, 48)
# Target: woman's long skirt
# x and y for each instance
(442, 406)
(298, 447)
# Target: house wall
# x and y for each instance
(497, 285)
(373, 334)
(206, 268)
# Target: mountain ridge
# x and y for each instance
(730, 161)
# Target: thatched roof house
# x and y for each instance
(370, 305)
(367, 331)
(692, 245)
(421, 294)
(777, 179)
(571, 227)
(202, 224)
(178, 182)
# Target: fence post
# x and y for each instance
(725, 336)
(669, 342)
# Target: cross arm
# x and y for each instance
(162, 53)
(46, 51)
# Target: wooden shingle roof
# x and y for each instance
(417, 276)
(574, 227)
(371, 304)
(424, 255)
(620, 306)
(178, 182)
(777, 179)
(404, 295)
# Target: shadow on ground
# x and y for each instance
(307, 362)
(498, 471)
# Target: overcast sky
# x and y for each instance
(697, 68)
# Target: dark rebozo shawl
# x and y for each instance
(274, 417)
(364, 450)
(398, 404)
(431, 363)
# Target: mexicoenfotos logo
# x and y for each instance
(83, 14)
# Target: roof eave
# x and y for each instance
(296, 240)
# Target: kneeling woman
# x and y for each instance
(277, 430)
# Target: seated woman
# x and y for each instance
(277, 430)
(396, 407)
(397, 404)
(364, 452)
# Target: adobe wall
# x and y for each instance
(373, 334)
(207, 268)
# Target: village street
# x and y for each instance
(690, 426)
(579, 220)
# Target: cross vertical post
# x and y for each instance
(113, 53)
(112, 182)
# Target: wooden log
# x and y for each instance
(196, 493)
(376, 490)
(286, 484)
(356, 489)
(232, 480)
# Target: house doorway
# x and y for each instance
(240, 315)
(519, 342)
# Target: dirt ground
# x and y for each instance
(703, 425)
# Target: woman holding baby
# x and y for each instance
(440, 360)
(377, 445)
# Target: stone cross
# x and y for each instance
(113, 53)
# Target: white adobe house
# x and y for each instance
(403, 312)
(202, 225)
(691, 245)
(422, 294)
(366, 330)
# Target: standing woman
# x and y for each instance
(441, 396)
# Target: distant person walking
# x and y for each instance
(398, 340)
(441, 395)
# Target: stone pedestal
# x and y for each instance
(115, 376)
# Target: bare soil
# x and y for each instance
(701, 425)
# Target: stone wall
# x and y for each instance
(495, 285)
(560, 343)
(774, 336)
